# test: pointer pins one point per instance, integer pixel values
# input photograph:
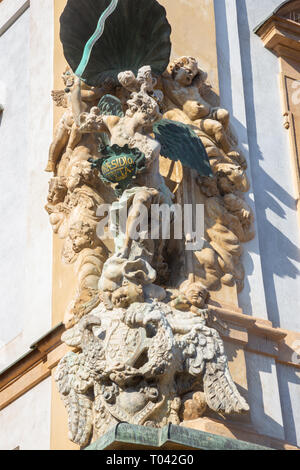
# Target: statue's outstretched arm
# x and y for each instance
(76, 100)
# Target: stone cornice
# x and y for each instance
(260, 337)
(33, 367)
(281, 36)
(35, 355)
(253, 334)
(253, 325)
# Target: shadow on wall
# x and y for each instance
(289, 378)
(260, 400)
(276, 257)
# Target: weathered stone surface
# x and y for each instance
(137, 365)
(145, 342)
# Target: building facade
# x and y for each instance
(250, 51)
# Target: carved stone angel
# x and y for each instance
(145, 188)
(75, 192)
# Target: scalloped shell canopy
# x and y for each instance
(136, 34)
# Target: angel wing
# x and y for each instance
(220, 391)
(74, 383)
(60, 98)
(110, 105)
(204, 352)
(179, 142)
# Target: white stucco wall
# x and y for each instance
(271, 169)
(14, 142)
(26, 64)
(9, 10)
(232, 94)
(250, 89)
(263, 396)
(26, 422)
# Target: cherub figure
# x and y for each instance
(81, 236)
(193, 297)
(185, 86)
(67, 134)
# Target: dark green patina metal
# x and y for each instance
(136, 33)
(129, 436)
(95, 37)
(119, 165)
(179, 142)
(110, 105)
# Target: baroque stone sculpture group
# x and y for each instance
(150, 351)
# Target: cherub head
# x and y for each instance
(142, 82)
(144, 109)
(184, 70)
(81, 236)
(145, 79)
(195, 293)
(232, 178)
(127, 294)
(91, 122)
(69, 79)
(143, 105)
(57, 190)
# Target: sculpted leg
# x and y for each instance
(216, 130)
(141, 200)
(59, 143)
(223, 116)
(75, 137)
